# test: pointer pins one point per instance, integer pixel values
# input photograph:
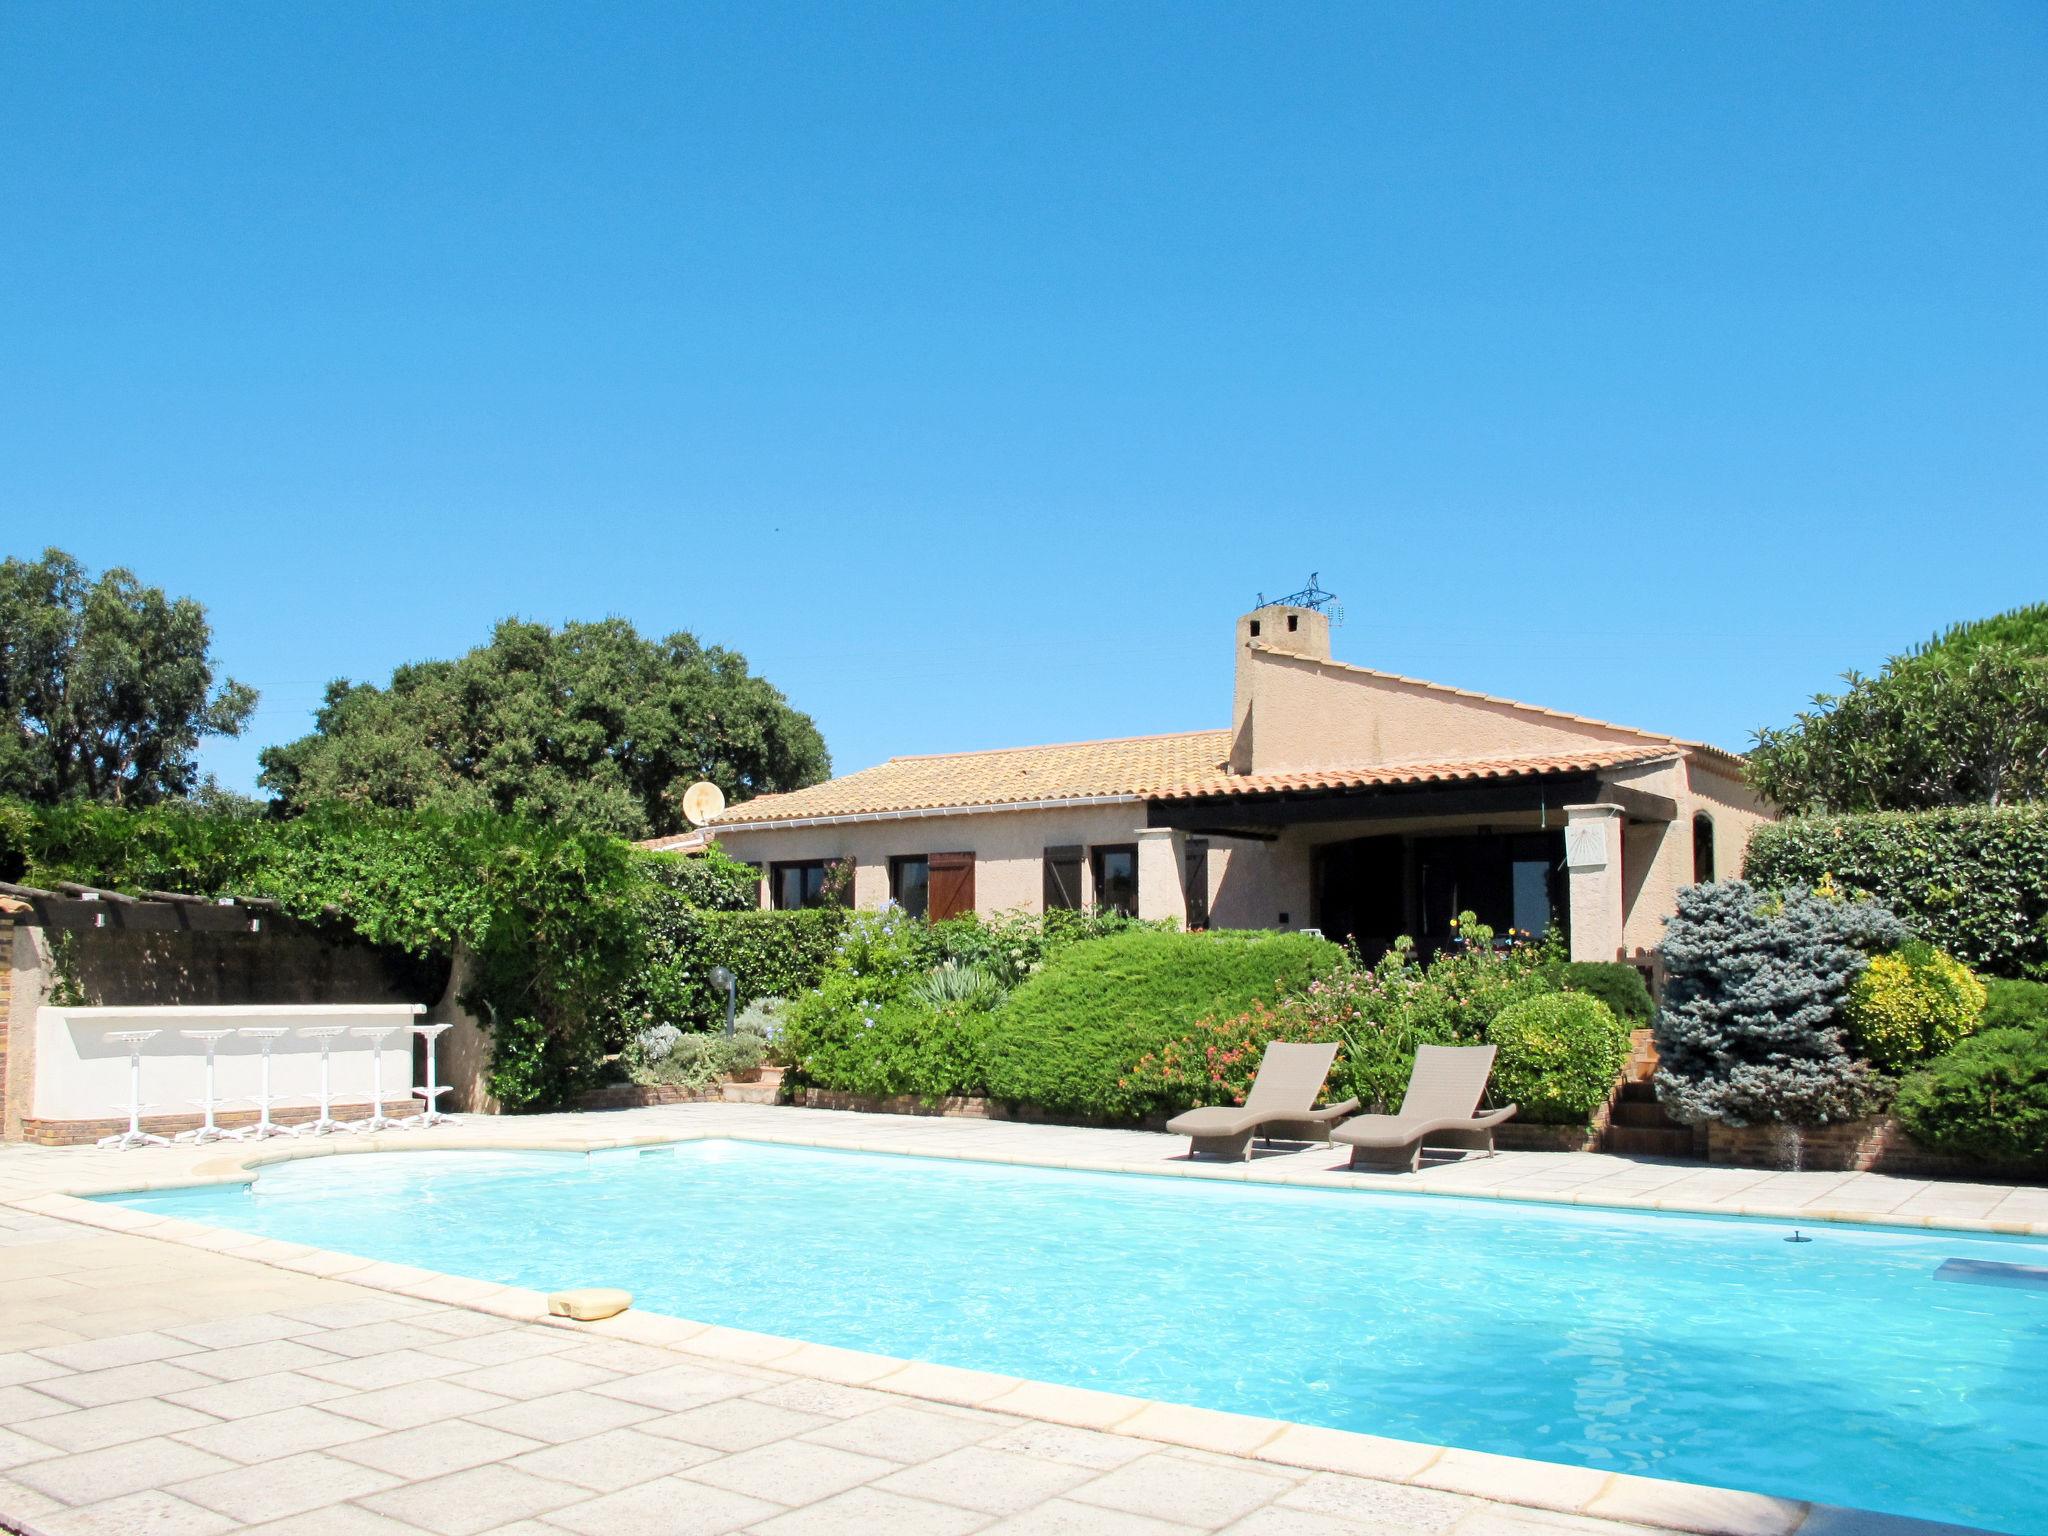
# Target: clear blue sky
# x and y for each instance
(970, 367)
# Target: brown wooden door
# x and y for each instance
(952, 885)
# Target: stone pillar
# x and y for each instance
(1162, 868)
(1592, 855)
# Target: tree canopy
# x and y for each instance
(106, 686)
(1963, 720)
(591, 724)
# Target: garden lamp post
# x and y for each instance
(724, 980)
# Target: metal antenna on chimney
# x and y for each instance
(1313, 597)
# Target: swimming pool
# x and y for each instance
(1709, 1350)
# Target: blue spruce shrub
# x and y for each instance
(1752, 1027)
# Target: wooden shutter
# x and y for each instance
(952, 886)
(1198, 883)
(1062, 879)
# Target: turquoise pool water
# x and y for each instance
(1713, 1351)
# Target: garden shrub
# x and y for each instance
(1911, 1004)
(1987, 1098)
(1752, 1027)
(1969, 879)
(1378, 1016)
(1559, 1056)
(1068, 1037)
(770, 954)
(2012, 1004)
(665, 1055)
(1620, 986)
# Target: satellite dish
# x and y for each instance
(702, 801)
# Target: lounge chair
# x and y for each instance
(1441, 1107)
(1282, 1103)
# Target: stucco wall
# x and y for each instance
(1313, 714)
(1008, 848)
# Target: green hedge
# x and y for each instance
(1067, 1039)
(1972, 880)
(770, 954)
(1559, 1056)
(1987, 1098)
(2012, 1004)
(1620, 986)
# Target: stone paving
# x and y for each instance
(149, 1385)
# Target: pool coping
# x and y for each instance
(1552, 1486)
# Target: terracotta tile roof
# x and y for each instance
(1179, 767)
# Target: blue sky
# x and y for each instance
(970, 367)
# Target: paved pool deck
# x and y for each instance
(163, 1377)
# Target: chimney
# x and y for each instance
(1280, 627)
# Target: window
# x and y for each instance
(1529, 891)
(810, 883)
(910, 883)
(1062, 879)
(1702, 849)
(1116, 877)
(1197, 864)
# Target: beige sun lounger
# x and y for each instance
(1441, 1107)
(1282, 1104)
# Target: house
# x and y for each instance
(1355, 802)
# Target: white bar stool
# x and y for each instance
(377, 1119)
(264, 1127)
(135, 1135)
(207, 1131)
(430, 1113)
(326, 1124)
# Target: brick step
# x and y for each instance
(1638, 1115)
(1639, 1141)
(1640, 1091)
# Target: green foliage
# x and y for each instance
(553, 919)
(1378, 1016)
(2023, 629)
(1911, 1004)
(2015, 1004)
(1217, 1061)
(1987, 1098)
(1620, 986)
(1963, 722)
(1972, 880)
(1559, 1056)
(770, 954)
(1070, 1034)
(664, 1055)
(903, 1006)
(954, 984)
(106, 686)
(591, 724)
(1752, 1027)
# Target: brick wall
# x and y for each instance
(1877, 1145)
